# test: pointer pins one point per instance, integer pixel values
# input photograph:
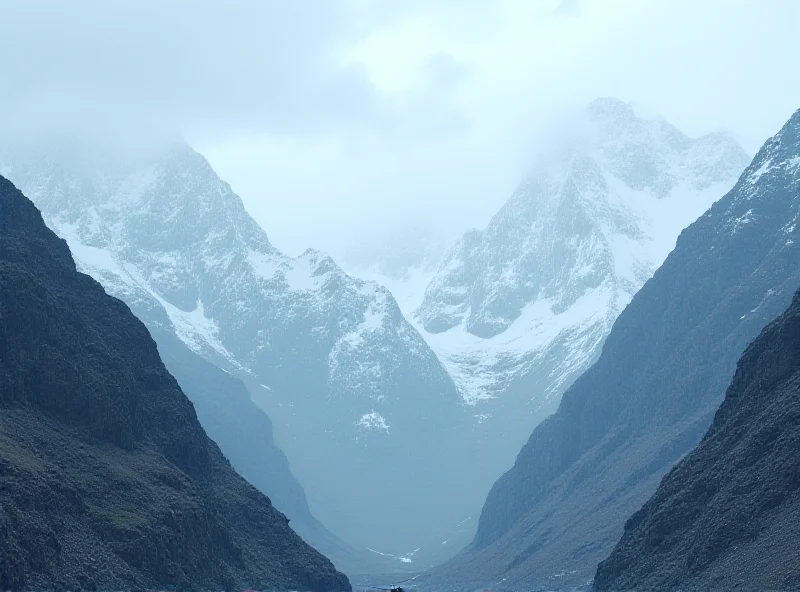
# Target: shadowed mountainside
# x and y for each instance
(728, 516)
(244, 433)
(108, 480)
(321, 352)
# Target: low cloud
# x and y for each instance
(341, 118)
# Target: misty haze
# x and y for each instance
(335, 295)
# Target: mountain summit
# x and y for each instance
(519, 310)
(538, 289)
(653, 392)
(360, 404)
(596, 216)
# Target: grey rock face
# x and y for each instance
(727, 516)
(653, 392)
(109, 482)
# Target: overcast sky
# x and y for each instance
(341, 119)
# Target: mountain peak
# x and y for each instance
(782, 148)
(105, 468)
(774, 167)
(163, 184)
(596, 213)
(324, 349)
(662, 372)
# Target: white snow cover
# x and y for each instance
(99, 212)
(483, 367)
(344, 377)
(120, 278)
(373, 421)
(617, 199)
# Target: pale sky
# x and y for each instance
(339, 121)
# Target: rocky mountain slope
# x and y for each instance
(245, 435)
(519, 310)
(357, 398)
(226, 411)
(108, 480)
(652, 394)
(728, 515)
(589, 225)
(555, 266)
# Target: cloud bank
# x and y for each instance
(341, 119)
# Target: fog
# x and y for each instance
(340, 121)
(413, 423)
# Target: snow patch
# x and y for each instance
(264, 265)
(372, 421)
(407, 558)
(737, 224)
(760, 171)
(194, 328)
(482, 368)
(302, 276)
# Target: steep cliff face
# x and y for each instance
(108, 480)
(354, 393)
(728, 515)
(653, 392)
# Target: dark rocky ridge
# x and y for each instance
(728, 515)
(107, 479)
(652, 394)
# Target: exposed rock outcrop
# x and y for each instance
(727, 517)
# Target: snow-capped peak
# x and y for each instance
(348, 382)
(608, 207)
(524, 305)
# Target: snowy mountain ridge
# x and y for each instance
(581, 234)
(98, 226)
(357, 393)
(354, 391)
